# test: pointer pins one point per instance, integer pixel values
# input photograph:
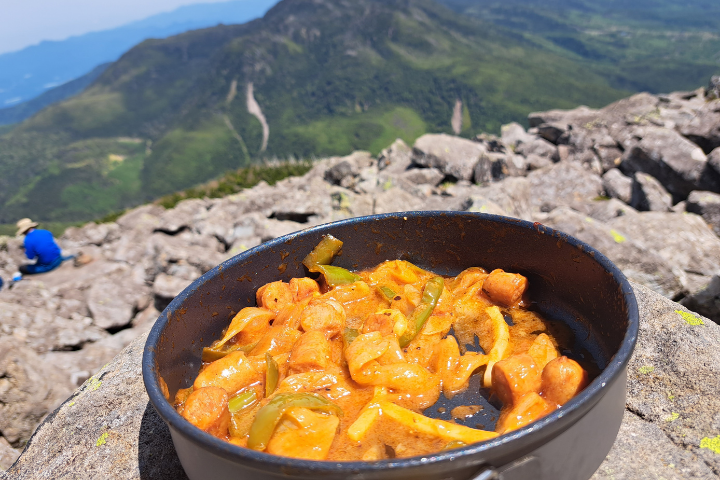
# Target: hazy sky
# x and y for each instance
(27, 22)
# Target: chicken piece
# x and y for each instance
(326, 316)
(386, 322)
(290, 315)
(467, 278)
(542, 350)
(277, 340)
(562, 379)
(311, 353)
(529, 407)
(255, 328)
(505, 288)
(514, 377)
(364, 355)
(274, 296)
(406, 301)
(303, 288)
(207, 409)
(232, 373)
(304, 434)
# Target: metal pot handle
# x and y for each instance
(487, 473)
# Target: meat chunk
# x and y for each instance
(542, 350)
(528, 408)
(326, 316)
(379, 322)
(276, 341)
(311, 353)
(207, 409)
(303, 288)
(562, 379)
(274, 296)
(232, 373)
(505, 288)
(514, 377)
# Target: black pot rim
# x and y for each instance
(260, 460)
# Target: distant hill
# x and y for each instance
(657, 46)
(323, 77)
(29, 72)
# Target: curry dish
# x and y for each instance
(341, 368)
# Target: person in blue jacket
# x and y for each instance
(40, 245)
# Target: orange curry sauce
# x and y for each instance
(343, 344)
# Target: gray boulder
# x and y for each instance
(672, 159)
(8, 455)
(453, 156)
(706, 301)
(397, 200)
(670, 235)
(168, 287)
(606, 210)
(564, 183)
(703, 128)
(638, 263)
(514, 134)
(539, 147)
(423, 176)
(396, 158)
(707, 205)
(511, 196)
(29, 389)
(112, 301)
(183, 216)
(713, 90)
(649, 195)
(617, 185)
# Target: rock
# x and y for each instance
(495, 166)
(337, 173)
(706, 301)
(183, 216)
(564, 183)
(144, 219)
(396, 158)
(536, 162)
(396, 200)
(168, 287)
(713, 90)
(638, 263)
(669, 235)
(424, 176)
(453, 156)
(511, 196)
(649, 195)
(8, 455)
(117, 434)
(514, 134)
(29, 389)
(606, 210)
(112, 301)
(713, 159)
(703, 128)
(539, 147)
(707, 205)
(617, 185)
(675, 161)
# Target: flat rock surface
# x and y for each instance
(671, 429)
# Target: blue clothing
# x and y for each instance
(40, 244)
(38, 268)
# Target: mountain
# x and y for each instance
(29, 72)
(645, 45)
(325, 76)
(24, 110)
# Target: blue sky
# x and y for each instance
(27, 22)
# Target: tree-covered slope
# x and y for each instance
(330, 76)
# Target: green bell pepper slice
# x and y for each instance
(211, 354)
(268, 417)
(335, 276)
(323, 253)
(242, 401)
(431, 295)
(271, 375)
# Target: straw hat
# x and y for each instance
(24, 225)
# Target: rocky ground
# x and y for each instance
(638, 179)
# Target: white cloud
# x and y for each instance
(13, 100)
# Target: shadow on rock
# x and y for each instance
(157, 459)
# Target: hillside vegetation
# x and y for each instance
(330, 76)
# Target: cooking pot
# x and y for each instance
(569, 282)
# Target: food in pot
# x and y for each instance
(342, 368)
